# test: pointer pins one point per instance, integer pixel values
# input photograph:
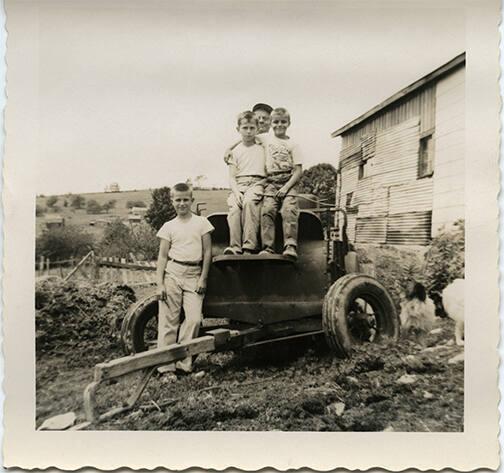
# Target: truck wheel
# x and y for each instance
(358, 309)
(139, 328)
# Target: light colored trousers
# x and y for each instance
(244, 220)
(180, 282)
(289, 210)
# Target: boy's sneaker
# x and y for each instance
(290, 252)
(231, 251)
(266, 252)
(246, 251)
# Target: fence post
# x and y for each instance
(48, 266)
(41, 264)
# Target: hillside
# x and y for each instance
(215, 201)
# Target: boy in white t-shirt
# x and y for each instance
(185, 254)
(283, 172)
(246, 179)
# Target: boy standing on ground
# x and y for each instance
(246, 179)
(283, 171)
(184, 259)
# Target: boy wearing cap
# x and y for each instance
(183, 263)
(246, 179)
(283, 172)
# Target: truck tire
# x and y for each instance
(358, 309)
(138, 325)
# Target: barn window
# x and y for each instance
(426, 156)
(348, 201)
(364, 168)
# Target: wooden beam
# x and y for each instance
(440, 71)
(158, 356)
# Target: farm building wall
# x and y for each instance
(390, 197)
(449, 145)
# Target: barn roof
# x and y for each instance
(436, 74)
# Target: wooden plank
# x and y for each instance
(158, 356)
(221, 336)
(454, 63)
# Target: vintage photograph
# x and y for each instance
(250, 225)
(249, 217)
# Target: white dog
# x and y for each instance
(417, 310)
(453, 303)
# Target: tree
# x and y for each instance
(39, 210)
(109, 205)
(93, 207)
(161, 209)
(319, 180)
(51, 201)
(117, 240)
(145, 242)
(198, 180)
(62, 243)
(77, 202)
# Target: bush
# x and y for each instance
(161, 209)
(445, 258)
(51, 201)
(64, 243)
(319, 180)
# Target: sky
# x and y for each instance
(146, 94)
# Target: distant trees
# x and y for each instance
(135, 203)
(39, 210)
(161, 209)
(62, 243)
(93, 207)
(109, 205)
(51, 202)
(77, 202)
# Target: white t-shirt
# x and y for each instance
(249, 160)
(281, 155)
(185, 237)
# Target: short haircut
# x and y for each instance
(181, 187)
(248, 116)
(417, 292)
(281, 111)
(262, 106)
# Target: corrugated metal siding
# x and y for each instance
(396, 159)
(364, 191)
(421, 103)
(411, 197)
(412, 228)
(351, 162)
(349, 180)
(371, 230)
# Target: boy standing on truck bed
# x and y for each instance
(246, 179)
(183, 263)
(283, 171)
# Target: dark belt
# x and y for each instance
(187, 263)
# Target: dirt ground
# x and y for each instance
(410, 385)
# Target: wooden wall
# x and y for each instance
(449, 146)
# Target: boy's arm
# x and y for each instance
(162, 260)
(296, 175)
(233, 185)
(229, 152)
(206, 241)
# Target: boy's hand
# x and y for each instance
(201, 287)
(228, 154)
(281, 193)
(161, 293)
(239, 198)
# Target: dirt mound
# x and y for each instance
(77, 320)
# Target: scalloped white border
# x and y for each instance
(475, 448)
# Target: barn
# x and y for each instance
(401, 164)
